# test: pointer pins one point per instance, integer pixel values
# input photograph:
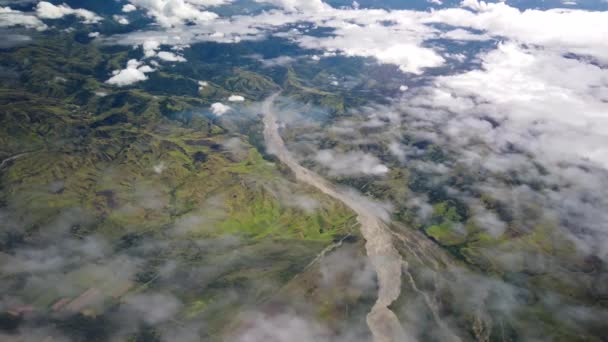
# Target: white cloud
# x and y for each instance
(94, 34)
(129, 8)
(176, 12)
(299, 5)
(236, 98)
(395, 37)
(150, 48)
(461, 34)
(10, 18)
(534, 90)
(363, 33)
(576, 31)
(277, 61)
(46, 10)
(529, 106)
(121, 19)
(170, 57)
(350, 163)
(488, 221)
(133, 73)
(279, 327)
(219, 109)
(159, 168)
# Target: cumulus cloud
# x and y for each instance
(170, 57)
(219, 109)
(236, 98)
(151, 49)
(121, 19)
(409, 57)
(134, 72)
(549, 28)
(47, 10)
(399, 43)
(129, 8)
(170, 13)
(555, 103)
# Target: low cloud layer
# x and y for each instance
(350, 163)
(528, 106)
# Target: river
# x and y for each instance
(386, 260)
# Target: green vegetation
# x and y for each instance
(144, 164)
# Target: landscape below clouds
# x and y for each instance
(457, 146)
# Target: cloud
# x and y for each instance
(527, 106)
(129, 8)
(159, 168)
(10, 18)
(202, 85)
(11, 40)
(151, 48)
(133, 73)
(286, 326)
(528, 90)
(299, 5)
(399, 37)
(46, 10)
(350, 163)
(278, 61)
(170, 57)
(236, 98)
(152, 308)
(379, 43)
(344, 265)
(54, 258)
(397, 43)
(219, 109)
(121, 19)
(549, 28)
(488, 221)
(170, 13)
(461, 34)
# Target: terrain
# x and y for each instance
(249, 171)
